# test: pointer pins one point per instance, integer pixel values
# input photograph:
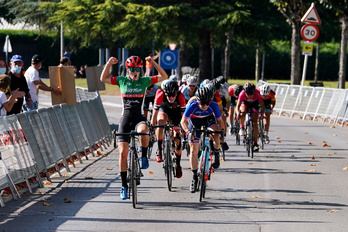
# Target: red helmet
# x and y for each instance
(134, 61)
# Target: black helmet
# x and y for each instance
(204, 94)
(171, 87)
(238, 89)
(249, 88)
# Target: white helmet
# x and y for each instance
(163, 83)
(192, 80)
(173, 78)
(265, 89)
(185, 78)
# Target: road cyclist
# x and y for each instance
(190, 89)
(234, 91)
(250, 99)
(268, 96)
(170, 105)
(132, 88)
(201, 110)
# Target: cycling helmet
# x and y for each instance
(134, 61)
(211, 87)
(192, 80)
(173, 78)
(185, 78)
(163, 84)
(265, 89)
(204, 83)
(170, 87)
(238, 89)
(249, 88)
(204, 94)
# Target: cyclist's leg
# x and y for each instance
(178, 150)
(161, 120)
(194, 164)
(241, 117)
(141, 127)
(267, 124)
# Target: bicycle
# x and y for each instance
(235, 129)
(261, 125)
(134, 171)
(205, 168)
(249, 136)
(169, 157)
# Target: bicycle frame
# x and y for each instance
(249, 136)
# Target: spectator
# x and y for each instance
(18, 83)
(67, 54)
(82, 72)
(64, 61)
(3, 66)
(149, 65)
(76, 72)
(35, 83)
(7, 104)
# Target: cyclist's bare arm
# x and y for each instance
(262, 104)
(104, 77)
(184, 124)
(154, 117)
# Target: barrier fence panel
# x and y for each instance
(64, 125)
(304, 97)
(51, 141)
(76, 128)
(26, 164)
(67, 150)
(101, 111)
(88, 124)
(97, 115)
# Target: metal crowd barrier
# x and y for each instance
(328, 104)
(36, 142)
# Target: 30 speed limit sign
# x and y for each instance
(309, 32)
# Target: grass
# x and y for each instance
(114, 90)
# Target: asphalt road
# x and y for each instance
(295, 184)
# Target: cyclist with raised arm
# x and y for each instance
(250, 99)
(132, 88)
(268, 96)
(170, 105)
(233, 92)
(201, 111)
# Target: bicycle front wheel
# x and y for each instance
(134, 179)
(261, 130)
(202, 175)
(168, 165)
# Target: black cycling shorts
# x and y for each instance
(127, 124)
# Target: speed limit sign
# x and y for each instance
(309, 32)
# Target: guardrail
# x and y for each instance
(34, 143)
(314, 103)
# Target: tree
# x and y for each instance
(341, 9)
(292, 11)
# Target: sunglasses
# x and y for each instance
(205, 103)
(192, 86)
(171, 94)
(133, 69)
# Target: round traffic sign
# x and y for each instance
(169, 58)
(309, 32)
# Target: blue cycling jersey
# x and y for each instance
(194, 111)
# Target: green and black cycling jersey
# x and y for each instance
(133, 93)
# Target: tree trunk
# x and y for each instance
(226, 70)
(184, 57)
(343, 53)
(295, 53)
(257, 62)
(316, 69)
(204, 55)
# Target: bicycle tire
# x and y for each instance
(202, 174)
(251, 140)
(134, 179)
(261, 135)
(248, 139)
(168, 165)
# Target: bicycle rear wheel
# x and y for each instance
(251, 146)
(168, 165)
(134, 178)
(202, 177)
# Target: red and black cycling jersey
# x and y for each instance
(161, 101)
